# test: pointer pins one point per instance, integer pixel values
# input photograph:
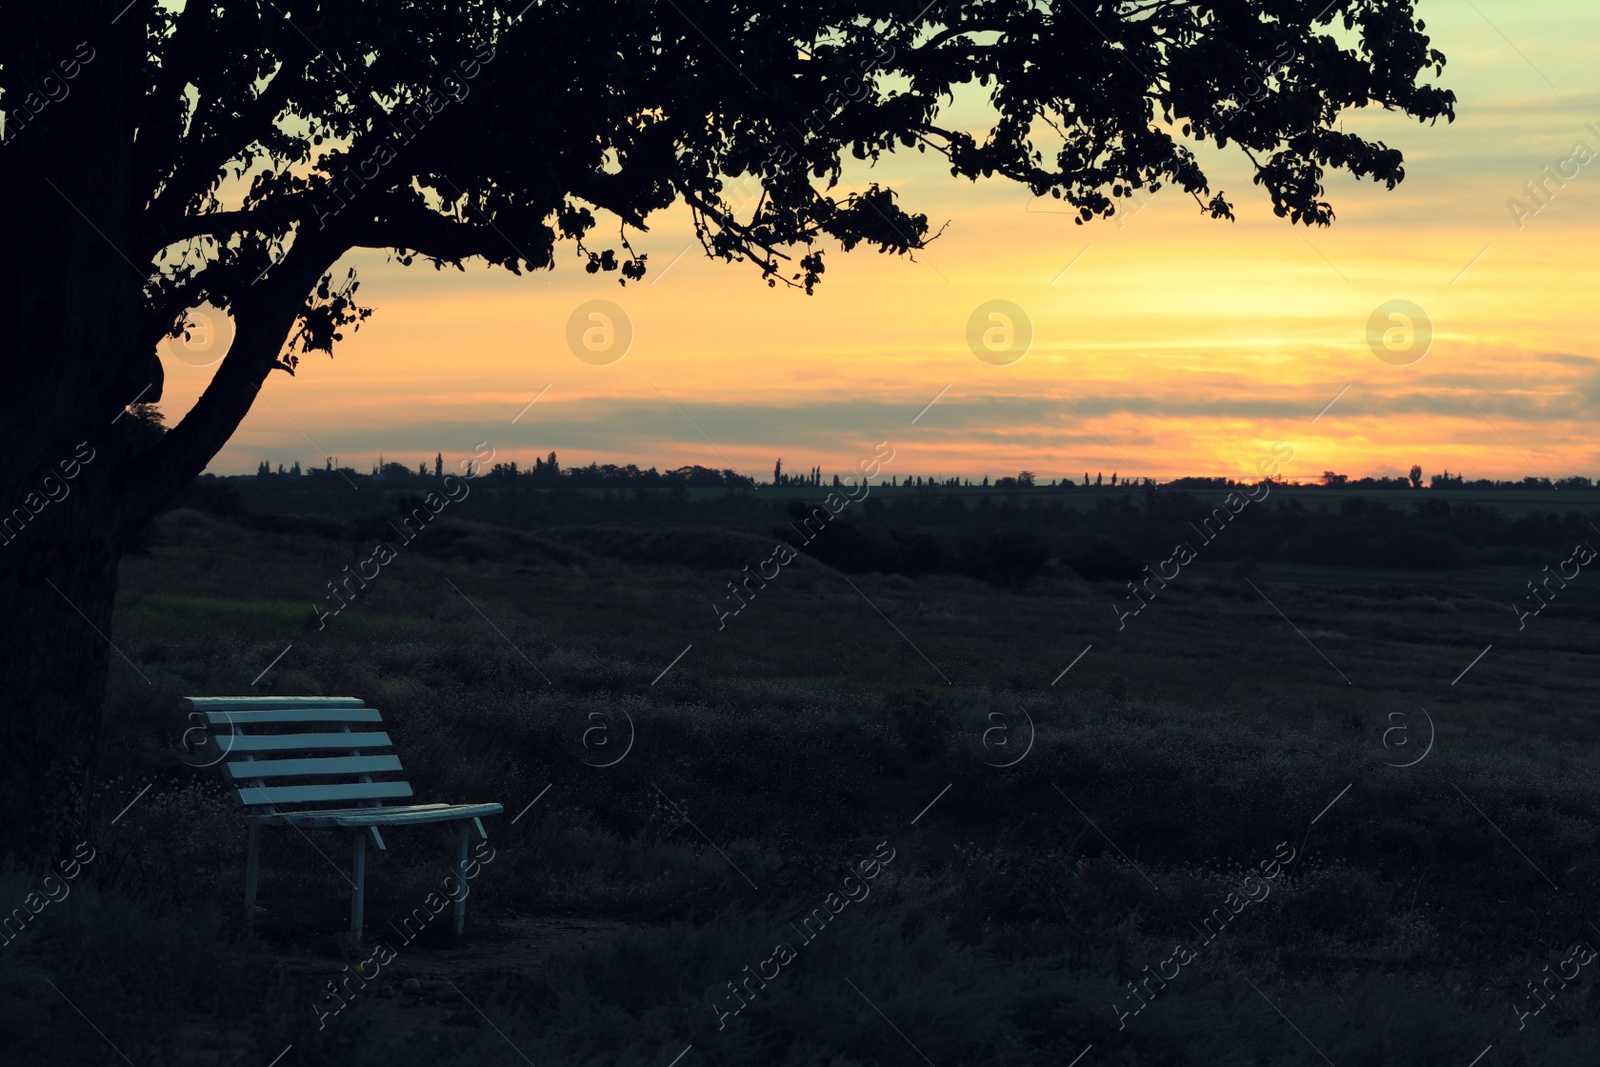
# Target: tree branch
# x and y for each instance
(189, 179)
(263, 318)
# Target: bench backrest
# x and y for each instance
(284, 753)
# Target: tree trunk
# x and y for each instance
(58, 569)
(69, 302)
(78, 333)
(58, 577)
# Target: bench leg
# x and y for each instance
(252, 863)
(358, 860)
(461, 874)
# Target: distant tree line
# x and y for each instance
(1009, 541)
(1446, 480)
(1001, 537)
(547, 472)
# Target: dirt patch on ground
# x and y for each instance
(422, 974)
(424, 990)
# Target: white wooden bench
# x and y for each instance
(297, 778)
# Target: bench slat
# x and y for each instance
(239, 770)
(306, 794)
(248, 703)
(308, 715)
(252, 744)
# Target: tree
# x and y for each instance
(1332, 480)
(231, 154)
(1416, 476)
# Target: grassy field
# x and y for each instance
(1065, 798)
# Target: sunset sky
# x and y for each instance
(1170, 344)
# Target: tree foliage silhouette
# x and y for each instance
(158, 157)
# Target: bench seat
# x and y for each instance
(349, 818)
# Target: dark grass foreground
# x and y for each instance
(1178, 762)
